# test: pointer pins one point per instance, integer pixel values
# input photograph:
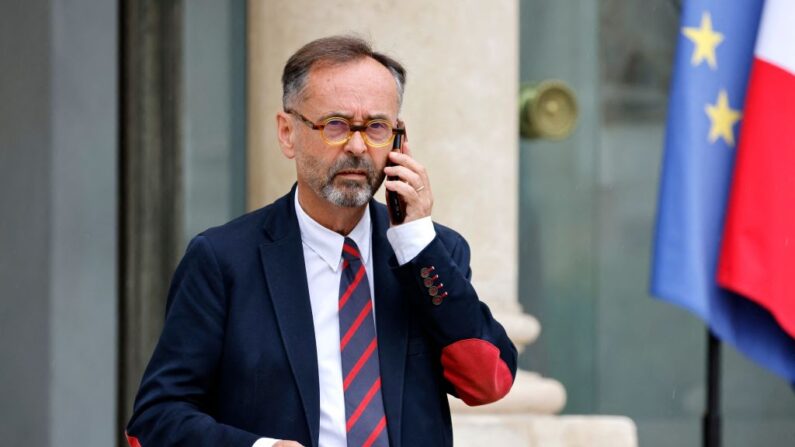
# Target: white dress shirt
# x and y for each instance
(323, 260)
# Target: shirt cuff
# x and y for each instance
(410, 238)
(265, 442)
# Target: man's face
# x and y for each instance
(345, 175)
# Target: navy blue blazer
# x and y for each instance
(237, 358)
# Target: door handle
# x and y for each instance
(547, 110)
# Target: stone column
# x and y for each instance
(461, 113)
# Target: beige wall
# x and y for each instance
(460, 109)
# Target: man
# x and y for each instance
(313, 321)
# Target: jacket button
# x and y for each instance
(433, 291)
(437, 300)
(426, 271)
(428, 282)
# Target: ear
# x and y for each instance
(286, 133)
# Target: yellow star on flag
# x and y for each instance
(722, 118)
(705, 39)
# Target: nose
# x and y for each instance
(356, 144)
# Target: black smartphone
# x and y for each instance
(396, 205)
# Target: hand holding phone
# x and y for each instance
(394, 203)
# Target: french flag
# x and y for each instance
(757, 257)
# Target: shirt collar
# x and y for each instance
(327, 243)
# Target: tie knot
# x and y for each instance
(350, 252)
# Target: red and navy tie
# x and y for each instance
(364, 406)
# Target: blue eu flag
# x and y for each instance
(713, 60)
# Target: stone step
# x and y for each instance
(532, 430)
(531, 394)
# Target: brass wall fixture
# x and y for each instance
(547, 110)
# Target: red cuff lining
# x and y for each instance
(132, 440)
(476, 371)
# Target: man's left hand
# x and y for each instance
(413, 187)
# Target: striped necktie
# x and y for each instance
(364, 406)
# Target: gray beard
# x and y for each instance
(354, 195)
(346, 193)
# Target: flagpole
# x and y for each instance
(712, 417)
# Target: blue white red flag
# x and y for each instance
(707, 117)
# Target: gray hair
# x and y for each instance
(332, 50)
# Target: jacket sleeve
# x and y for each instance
(174, 402)
(477, 357)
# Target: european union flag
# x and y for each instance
(714, 56)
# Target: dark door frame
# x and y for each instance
(150, 186)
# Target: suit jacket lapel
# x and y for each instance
(283, 264)
(391, 314)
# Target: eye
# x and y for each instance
(336, 128)
(379, 125)
(337, 123)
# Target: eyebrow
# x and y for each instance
(349, 117)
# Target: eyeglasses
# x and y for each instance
(337, 130)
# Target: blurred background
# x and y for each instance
(128, 127)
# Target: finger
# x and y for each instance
(407, 161)
(417, 206)
(405, 174)
(405, 190)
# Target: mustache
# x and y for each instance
(349, 162)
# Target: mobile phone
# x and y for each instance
(395, 204)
